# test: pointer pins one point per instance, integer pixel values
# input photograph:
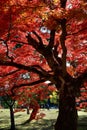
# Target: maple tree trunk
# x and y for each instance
(12, 118)
(67, 118)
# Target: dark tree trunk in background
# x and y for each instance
(67, 118)
(12, 118)
(28, 112)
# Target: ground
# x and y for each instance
(47, 123)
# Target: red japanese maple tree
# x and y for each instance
(48, 40)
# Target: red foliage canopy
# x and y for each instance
(32, 31)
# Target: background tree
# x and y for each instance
(27, 97)
(31, 97)
(9, 101)
(43, 38)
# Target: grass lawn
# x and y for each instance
(47, 123)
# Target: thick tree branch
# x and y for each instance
(39, 38)
(19, 41)
(34, 43)
(82, 78)
(44, 75)
(20, 66)
(10, 73)
(41, 69)
(62, 42)
(78, 82)
(46, 51)
(55, 54)
(8, 37)
(52, 38)
(27, 84)
(63, 38)
(35, 69)
(63, 3)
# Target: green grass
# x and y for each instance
(47, 123)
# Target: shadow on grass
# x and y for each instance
(82, 123)
(17, 116)
(26, 122)
(42, 124)
(7, 129)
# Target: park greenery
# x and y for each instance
(43, 54)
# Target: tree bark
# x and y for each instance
(67, 118)
(12, 118)
(28, 112)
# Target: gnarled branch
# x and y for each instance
(52, 38)
(27, 84)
